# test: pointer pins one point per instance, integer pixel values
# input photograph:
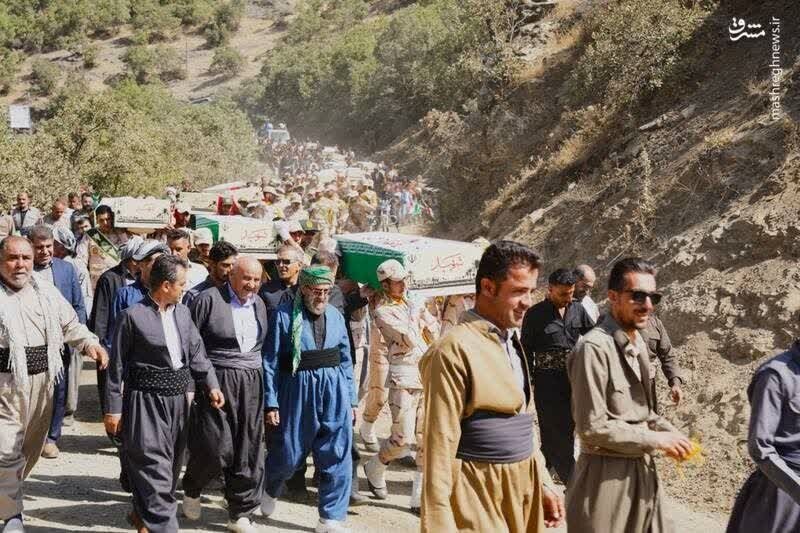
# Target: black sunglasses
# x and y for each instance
(283, 261)
(640, 297)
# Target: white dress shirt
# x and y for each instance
(196, 275)
(172, 337)
(245, 323)
(591, 308)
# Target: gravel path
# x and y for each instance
(79, 491)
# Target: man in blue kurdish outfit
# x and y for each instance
(310, 396)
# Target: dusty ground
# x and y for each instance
(79, 491)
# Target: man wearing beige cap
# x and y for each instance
(272, 203)
(295, 210)
(408, 329)
(203, 241)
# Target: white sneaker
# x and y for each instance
(331, 526)
(268, 504)
(192, 508)
(416, 492)
(375, 471)
(368, 437)
(15, 526)
(242, 525)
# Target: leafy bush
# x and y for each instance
(635, 47)
(224, 23)
(194, 12)
(140, 60)
(156, 20)
(107, 16)
(170, 65)
(133, 140)
(89, 53)
(44, 76)
(147, 64)
(227, 61)
(9, 66)
(369, 79)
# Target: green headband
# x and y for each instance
(315, 275)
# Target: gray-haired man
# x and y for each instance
(36, 322)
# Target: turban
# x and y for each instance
(315, 275)
(129, 248)
(65, 237)
(309, 276)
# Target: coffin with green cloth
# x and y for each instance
(139, 215)
(436, 267)
(251, 236)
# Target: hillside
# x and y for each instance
(683, 165)
(112, 85)
(261, 24)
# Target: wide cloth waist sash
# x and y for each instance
(160, 381)
(221, 358)
(36, 357)
(490, 437)
(311, 359)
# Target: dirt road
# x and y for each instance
(79, 491)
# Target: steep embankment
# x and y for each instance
(668, 151)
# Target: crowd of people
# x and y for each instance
(238, 369)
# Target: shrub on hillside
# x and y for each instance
(107, 16)
(224, 23)
(372, 79)
(9, 66)
(140, 61)
(89, 53)
(44, 77)
(635, 47)
(157, 21)
(194, 12)
(227, 62)
(170, 65)
(131, 140)
(147, 64)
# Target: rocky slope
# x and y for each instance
(697, 177)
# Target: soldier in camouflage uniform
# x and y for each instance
(100, 246)
(408, 329)
(377, 383)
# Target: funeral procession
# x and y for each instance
(390, 266)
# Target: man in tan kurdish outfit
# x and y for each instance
(615, 486)
(35, 322)
(483, 470)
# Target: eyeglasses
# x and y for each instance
(640, 297)
(283, 262)
(320, 293)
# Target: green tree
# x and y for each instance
(140, 61)
(224, 23)
(226, 61)
(44, 76)
(9, 66)
(155, 19)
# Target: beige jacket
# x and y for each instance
(466, 371)
(611, 402)
(407, 329)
